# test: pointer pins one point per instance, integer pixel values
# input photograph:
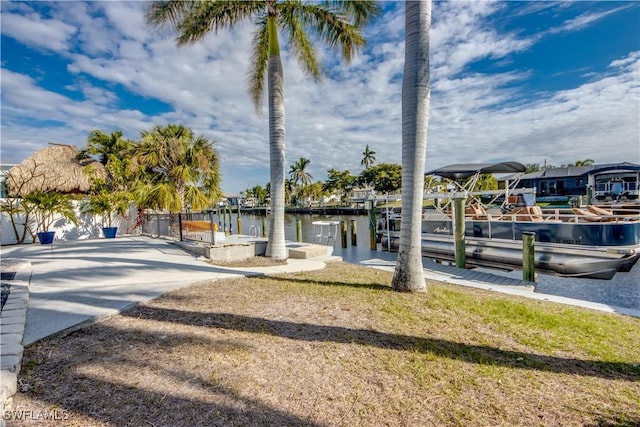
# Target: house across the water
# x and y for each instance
(605, 182)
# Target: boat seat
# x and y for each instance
(598, 210)
(475, 211)
(590, 216)
(528, 213)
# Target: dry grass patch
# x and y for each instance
(338, 348)
(256, 261)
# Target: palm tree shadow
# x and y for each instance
(96, 396)
(471, 353)
(360, 285)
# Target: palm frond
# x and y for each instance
(211, 16)
(197, 198)
(332, 28)
(358, 12)
(162, 13)
(301, 45)
(260, 60)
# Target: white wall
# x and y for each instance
(89, 227)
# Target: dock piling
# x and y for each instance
(528, 256)
(458, 231)
(343, 233)
(354, 233)
(371, 207)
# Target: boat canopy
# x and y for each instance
(465, 170)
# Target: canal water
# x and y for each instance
(621, 291)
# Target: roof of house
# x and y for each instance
(578, 171)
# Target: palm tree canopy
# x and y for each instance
(180, 168)
(337, 23)
(107, 147)
(369, 157)
(298, 172)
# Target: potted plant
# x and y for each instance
(46, 207)
(106, 204)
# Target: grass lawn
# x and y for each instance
(338, 348)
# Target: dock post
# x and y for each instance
(264, 226)
(180, 225)
(343, 233)
(239, 224)
(458, 231)
(298, 230)
(371, 206)
(229, 216)
(354, 233)
(528, 256)
(224, 220)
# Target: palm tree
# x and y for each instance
(179, 169)
(369, 157)
(289, 187)
(338, 23)
(416, 91)
(299, 174)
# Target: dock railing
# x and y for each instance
(189, 226)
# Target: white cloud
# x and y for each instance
(34, 31)
(461, 35)
(584, 20)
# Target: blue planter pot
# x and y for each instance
(46, 237)
(109, 232)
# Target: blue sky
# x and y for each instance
(522, 81)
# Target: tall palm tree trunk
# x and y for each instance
(408, 275)
(275, 82)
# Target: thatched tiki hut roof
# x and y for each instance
(58, 168)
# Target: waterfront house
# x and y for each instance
(604, 182)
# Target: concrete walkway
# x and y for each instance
(72, 283)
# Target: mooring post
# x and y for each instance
(343, 233)
(264, 226)
(180, 225)
(298, 230)
(229, 215)
(458, 231)
(371, 207)
(158, 223)
(528, 256)
(239, 228)
(224, 220)
(354, 233)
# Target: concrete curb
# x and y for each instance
(12, 323)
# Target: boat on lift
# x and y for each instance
(583, 241)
